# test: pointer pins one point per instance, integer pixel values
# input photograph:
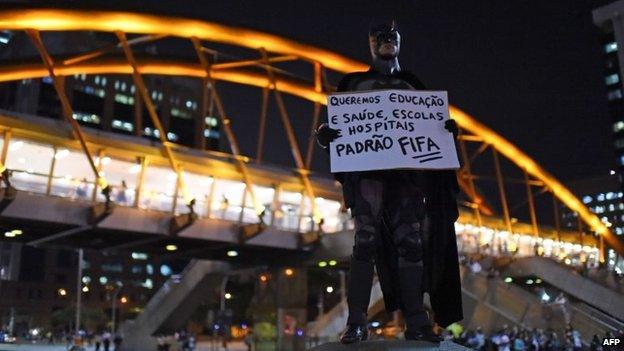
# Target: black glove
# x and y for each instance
(325, 135)
(451, 126)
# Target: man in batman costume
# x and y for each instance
(404, 219)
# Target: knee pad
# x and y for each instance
(364, 248)
(410, 247)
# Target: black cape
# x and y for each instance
(441, 265)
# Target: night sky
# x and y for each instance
(531, 70)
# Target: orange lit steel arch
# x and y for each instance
(70, 20)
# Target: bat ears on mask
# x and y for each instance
(382, 25)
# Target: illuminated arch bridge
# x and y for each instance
(150, 181)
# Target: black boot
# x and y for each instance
(418, 326)
(424, 333)
(354, 333)
(359, 291)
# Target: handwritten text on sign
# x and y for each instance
(387, 129)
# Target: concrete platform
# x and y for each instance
(391, 345)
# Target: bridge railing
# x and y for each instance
(473, 239)
(47, 169)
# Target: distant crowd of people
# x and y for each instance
(185, 341)
(105, 340)
(519, 339)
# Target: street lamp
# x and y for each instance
(114, 307)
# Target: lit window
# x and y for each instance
(165, 270)
(587, 199)
(139, 256)
(176, 112)
(612, 79)
(601, 197)
(622, 160)
(116, 85)
(149, 284)
(610, 47)
(103, 280)
(149, 132)
(211, 133)
(189, 103)
(149, 269)
(614, 94)
(86, 117)
(172, 136)
(123, 86)
(132, 88)
(127, 126)
(617, 126)
(611, 207)
(5, 36)
(610, 195)
(97, 80)
(618, 231)
(124, 99)
(47, 80)
(103, 81)
(212, 121)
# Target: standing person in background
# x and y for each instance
(106, 340)
(98, 341)
(596, 344)
(117, 341)
(249, 340)
(576, 340)
(562, 302)
(121, 194)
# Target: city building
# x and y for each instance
(33, 289)
(609, 20)
(603, 196)
(111, 102)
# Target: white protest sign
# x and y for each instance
(390, 129)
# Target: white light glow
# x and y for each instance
(61, 154)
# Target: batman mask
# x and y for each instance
(384, 40)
